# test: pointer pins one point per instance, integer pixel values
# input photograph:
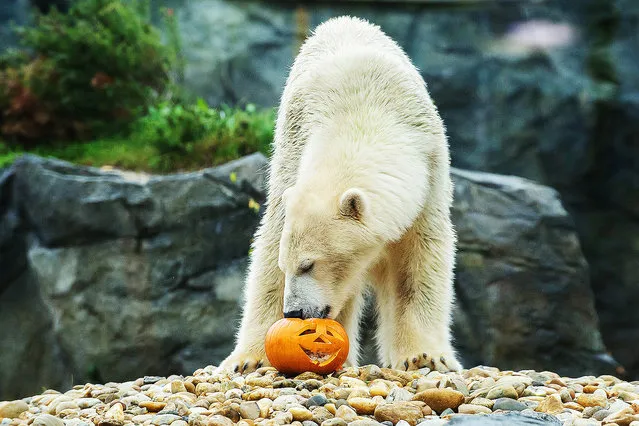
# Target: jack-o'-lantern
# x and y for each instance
(294, 345)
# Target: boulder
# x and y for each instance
(523, 293)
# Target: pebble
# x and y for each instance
(440, 399)
(591, 400)
(249, 410)
(485, 402)
(362, 396)
(473, 409)
(164, 419)
(316, 400)
(398, 395)
(12, 409)
(47, 420)
(551, 405)
(300, 413)
(334, 422)
(508, 404)
(396, 411)
(380, 388)
(362, 405)
(217, 420)
(321, 414)
(502, 392)
(347, 413)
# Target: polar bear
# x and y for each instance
(359, 196)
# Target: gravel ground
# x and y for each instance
(367, 395)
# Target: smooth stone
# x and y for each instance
(309, 423)
(379, 388)
(316, 400)
(585, 422)
(396, 411)
(601, 414)
(218, 420)
(283, 418)
(321, 414)
(334, 422)
(152, 406)
(87, 402)
(249, 410)
(591, 400)
(347, 413)
(47, 420)
(485, 402)
(370, 372)
(508, 404)
(551, 405)
(433, 422)
(440, 399)
(300, 413)
(164, 419)
(589, 411)
(502, 392)
(398, 395)
(363, 406)
(12, 409)
(473, 409)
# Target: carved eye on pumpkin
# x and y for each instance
(319, 345)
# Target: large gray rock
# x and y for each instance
(136, 274)
(509, 419)
(522, 284)
(125, 275)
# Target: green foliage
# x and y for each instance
(179, 132)
(91, 70)
(169, 138)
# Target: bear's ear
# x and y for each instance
(353, 203)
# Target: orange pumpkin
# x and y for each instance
(295, 345)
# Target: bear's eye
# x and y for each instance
(306, 266)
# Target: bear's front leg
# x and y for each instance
(415, 300)
(264, 296)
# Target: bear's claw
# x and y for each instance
(439, 362)
(243, 363)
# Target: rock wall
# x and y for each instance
(108, 276)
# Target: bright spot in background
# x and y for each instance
(535, 35)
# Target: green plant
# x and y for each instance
(180, 131)
(89, 71)
(170, 138)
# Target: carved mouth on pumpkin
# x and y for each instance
(320, 358)
(323, 343)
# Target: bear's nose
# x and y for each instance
(293, 314)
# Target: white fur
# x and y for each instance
(355, 119)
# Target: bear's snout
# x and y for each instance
(308, 313)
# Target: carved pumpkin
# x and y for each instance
(294, 345)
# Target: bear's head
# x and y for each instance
(326, 248)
